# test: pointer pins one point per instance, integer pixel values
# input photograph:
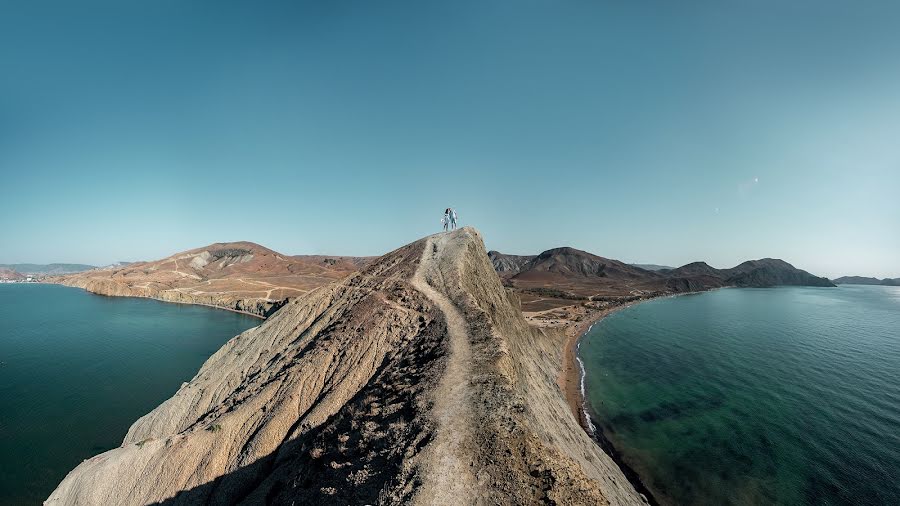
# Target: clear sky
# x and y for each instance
(648, 131)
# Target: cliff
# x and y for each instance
(415, 380)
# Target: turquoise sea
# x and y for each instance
(77, 369)
(754, 396)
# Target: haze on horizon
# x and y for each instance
(651, 133)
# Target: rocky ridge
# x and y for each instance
(416, 380)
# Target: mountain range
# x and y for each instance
(47, 269)
(568, 273)
(861, 280)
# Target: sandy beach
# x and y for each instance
(571, 374)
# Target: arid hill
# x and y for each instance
(242, 276)
(564, 276)
(416, 380)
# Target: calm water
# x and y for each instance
(754, 396)
(77, 369)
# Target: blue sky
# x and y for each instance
(643, 131)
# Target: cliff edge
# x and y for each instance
(416, 380)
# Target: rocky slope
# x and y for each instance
(416, 380)
(241, 276)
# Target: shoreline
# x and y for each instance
(572, 377)
(211, 306)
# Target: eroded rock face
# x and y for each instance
(415, 380)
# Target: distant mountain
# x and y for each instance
(568, 272)
(570, 263)
(860, 280)
(695, 269)
(504, 263)
(47, 269)
(653, 267)
(771, 272)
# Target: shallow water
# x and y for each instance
(754, 396)
(77, 369)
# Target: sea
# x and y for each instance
(787, 395)
(77, 369)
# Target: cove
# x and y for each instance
(754, 396)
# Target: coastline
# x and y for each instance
(571, 381)
(211, 306)
(572, 375)
(571, 378)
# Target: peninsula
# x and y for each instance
(415, 379)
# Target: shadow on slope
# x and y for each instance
(357, 456)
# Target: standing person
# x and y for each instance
(453, 218)
(446, 219)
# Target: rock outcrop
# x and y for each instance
(416, 380)
(508, 264)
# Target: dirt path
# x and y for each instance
(447, 478)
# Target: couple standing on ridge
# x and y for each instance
(449, 219)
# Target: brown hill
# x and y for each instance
(769, 272)
(242, 276)
(414, 381)
(568, 263)
(559, 276)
